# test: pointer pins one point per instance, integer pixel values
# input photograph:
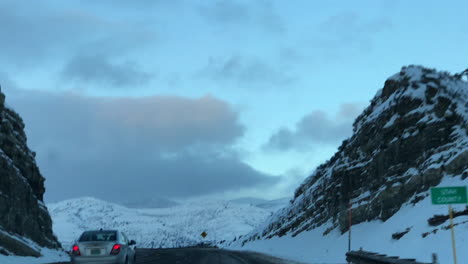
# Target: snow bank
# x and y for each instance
(48, 256)
(313, 247)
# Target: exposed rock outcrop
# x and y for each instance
(25, 224)
(412, 135)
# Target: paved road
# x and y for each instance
(203, 256)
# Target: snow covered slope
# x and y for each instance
(411, 137)
(420, 242)
(272, 205)
(162, 227)
(153, 202)
(47, 256)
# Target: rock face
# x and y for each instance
(412, 135)
(25, 223)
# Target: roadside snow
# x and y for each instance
(48, 256)
(376, 236)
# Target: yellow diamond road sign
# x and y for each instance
(204, 234)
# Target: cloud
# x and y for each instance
(349, 30)
(99, 68)
(140, 4)
(260, 13)
(242, 70)
(316, 127)
(6, 81)
(34, 33)
(122, 148)
(349, 24)
(226, 12)
(349, 111)
(131, 175)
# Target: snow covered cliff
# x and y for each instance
(411, 137)
(25, 224)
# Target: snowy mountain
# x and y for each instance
(413, 136)
(176, 226)
(272, 205)
(153, 202)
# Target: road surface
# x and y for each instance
(203, 256)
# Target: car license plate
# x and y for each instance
(95, 251)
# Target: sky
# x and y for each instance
(129, 100)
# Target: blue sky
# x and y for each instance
(162, 89)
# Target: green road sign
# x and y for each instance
(449, 195)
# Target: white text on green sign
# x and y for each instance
(449, 195)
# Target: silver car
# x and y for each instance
(103, 247)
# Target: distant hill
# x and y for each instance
(176, 226)
(272, 205)
(153, 202)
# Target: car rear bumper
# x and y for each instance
(120, 259)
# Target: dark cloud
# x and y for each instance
(126, 148)
(316, 127)
(259, 13)
(31, 35)
(99, 68)
(34, 33)
(130, 176)
(242, 70)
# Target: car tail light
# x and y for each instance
(76, 250)
(116, 249)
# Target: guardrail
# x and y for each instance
(365, 257)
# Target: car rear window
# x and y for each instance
(98, 236)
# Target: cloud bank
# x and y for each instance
(313, 128)
(126, 148)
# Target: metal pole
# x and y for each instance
(453, 235)
(350, 224)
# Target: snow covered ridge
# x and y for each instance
(176, 226)
(411, 137)
(426, 88)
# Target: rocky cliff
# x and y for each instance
(413, 133)
(25, 224)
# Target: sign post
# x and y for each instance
(450, 195)
(350, 223)
(203, 234)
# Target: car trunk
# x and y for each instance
(95, 248)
